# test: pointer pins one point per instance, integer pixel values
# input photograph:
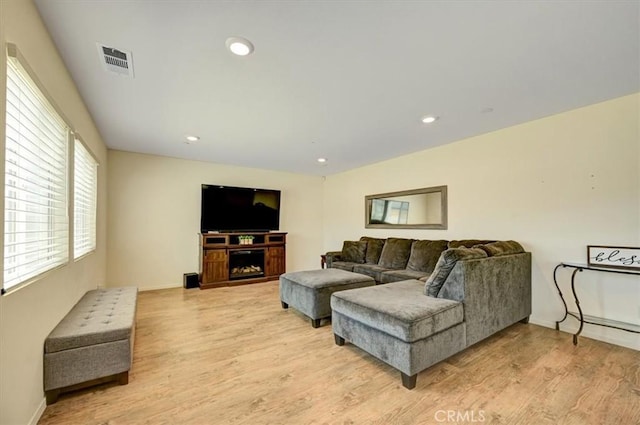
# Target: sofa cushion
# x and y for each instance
(425, 254)
(373, 270)
(395, 253)
(498, 248)
(467, 243)
(446, 263)
(374, 249)
(399, 309)
(398, 275)
(353, 251)
(343, 265)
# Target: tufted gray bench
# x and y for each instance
(93, 343)
(310, 291)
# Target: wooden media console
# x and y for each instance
(225, 261)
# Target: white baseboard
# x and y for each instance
(38, 413)
(611, 336)
(153, 288)
(541, 322)
(148, 288)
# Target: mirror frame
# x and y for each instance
(436, 189)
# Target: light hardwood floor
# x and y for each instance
(234, 356)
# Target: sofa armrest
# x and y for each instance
(332, 256)
(495, 291)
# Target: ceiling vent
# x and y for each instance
(116, 60)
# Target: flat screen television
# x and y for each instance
(239, 209)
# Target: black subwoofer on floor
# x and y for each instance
(190, 280)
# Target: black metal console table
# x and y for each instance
(580, 316)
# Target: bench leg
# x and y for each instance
(409, 382)
(121, 378)
(52, 396)
(339, 340)
(284, 305)
(315, 323)
(525, 320)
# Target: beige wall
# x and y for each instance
(556, 185)
(28, 315)
(154, 215)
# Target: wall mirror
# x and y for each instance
(424, 208)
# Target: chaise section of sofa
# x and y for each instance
(397, 324)
(471, 294)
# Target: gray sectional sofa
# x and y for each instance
(473, 289)
(393, 259)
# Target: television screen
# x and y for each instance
(239, 209)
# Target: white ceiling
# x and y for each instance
(346, 80)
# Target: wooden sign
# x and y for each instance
(616, 257)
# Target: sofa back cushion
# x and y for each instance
(395, 253)
(468, 243)
(374, 249)
(499, 248)
(353, 251)
(446, 263)
(425, 254)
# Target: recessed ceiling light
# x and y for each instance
(191, 139)
(429, 119)
(239, 46)
(322, 160)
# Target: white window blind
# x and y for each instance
(85, 186)
(36, 223)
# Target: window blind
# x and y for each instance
(85, 181)
(36, 223)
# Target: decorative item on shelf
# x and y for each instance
(614, 257)
(246, 240)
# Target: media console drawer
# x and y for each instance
(215, 240)
(275, 238)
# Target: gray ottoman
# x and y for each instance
(309, 292)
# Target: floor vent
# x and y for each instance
(116, 60)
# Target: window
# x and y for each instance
(85, 180)
(390, 212)
(36, 222)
